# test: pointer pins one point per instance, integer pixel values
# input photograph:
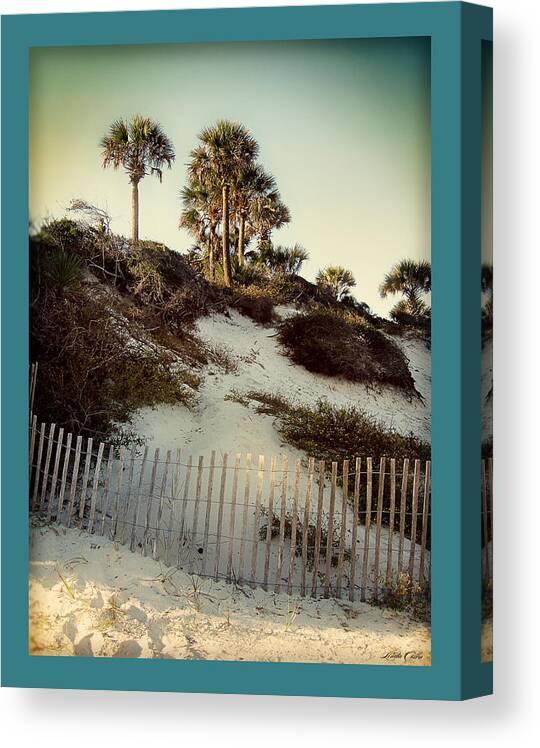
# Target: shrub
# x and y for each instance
(333, 432)
(408, 596)
(259, 308)
(64, 270)
(327, 343)
(92, 376)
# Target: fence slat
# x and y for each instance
(220, 514)
(414, 518)
(150, 503)
(54, 479)
(343, 527)
(196, 514)
(37, 474)
(136, 511)
(380, 500)
(127, 500)
(33, 431)
(118, 495)
(270, 523)
(95, 486)
(63, 479)
(184, 537)
(391, 520)
(106, 490)
(86, 475)
(232, 516)
(74, 479)
(317, 550)
(367, 526)
(244, 516)
(208, 509)
(282, 521)
(425, 517)
(402, 512)
(294, 522)
(258, 496)
(355, 521)
(162, 494)
(305, 524)
(174, 505)
(46, 468)
(330, 531)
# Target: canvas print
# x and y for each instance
(487, 351)
(230, 335)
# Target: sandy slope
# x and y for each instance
(90, 597)
(226, 426)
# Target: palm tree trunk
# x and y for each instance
(135, 212)
(241, 238)
(227, 275)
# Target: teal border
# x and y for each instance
(456, 30)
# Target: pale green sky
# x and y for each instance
(344, 126)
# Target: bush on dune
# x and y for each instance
(325, 342)
(93, 374)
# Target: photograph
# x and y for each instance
(229, 419)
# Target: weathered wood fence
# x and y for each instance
(317, 529)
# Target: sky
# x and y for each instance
(343, 125)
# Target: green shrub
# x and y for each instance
(407, 596)
(326, 343)
(64, 270)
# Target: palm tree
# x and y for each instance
(252, 183)
(412, 279)
(227, 148)
(267, 213)
(281, 260)
(337, 280)
(200, 216)
(141, 147)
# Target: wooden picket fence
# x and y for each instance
(317, 529)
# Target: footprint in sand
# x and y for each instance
(129, 648)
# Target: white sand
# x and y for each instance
(226, 426)
(90, 597)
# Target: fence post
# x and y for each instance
(46, 468)
(282, 520)
(365, 562)
(208, 509)
(63, 480)
(380, 500)
(136, 511)
(95, 487)
(260, 479)
(317, 550)
(232, 517)
(270, 523)
(342, 534)
(305, 524)
(247, 485)
(74, 479)
(294, 524)
(391, 520)
(425, 518)
(402, 511)
(86, 474)
(355, 521)
(220, 514)
(54, 479)
(194, 526)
